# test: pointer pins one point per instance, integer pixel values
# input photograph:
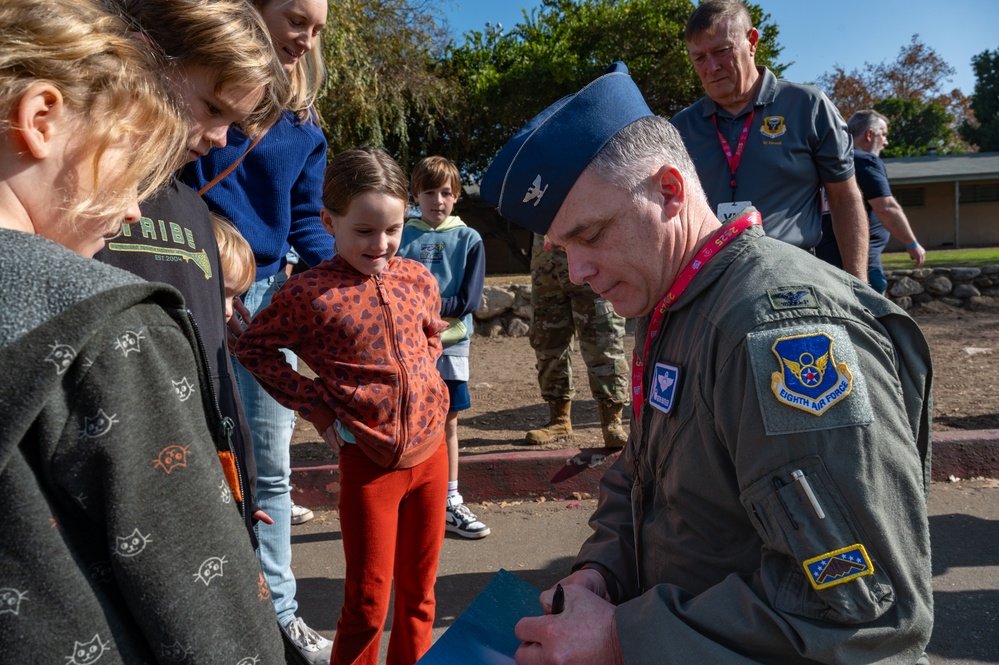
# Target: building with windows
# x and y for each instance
(952, 201)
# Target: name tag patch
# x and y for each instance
(842, 565)
(665, 387)
(809, 378)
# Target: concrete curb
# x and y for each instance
(561, 473)
(966, 454)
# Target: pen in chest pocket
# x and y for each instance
(799, 478)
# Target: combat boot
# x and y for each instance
(610, 423)
(559, 426)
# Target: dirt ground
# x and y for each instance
(506, 401)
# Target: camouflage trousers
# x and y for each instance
(562, 311)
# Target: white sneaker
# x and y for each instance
(314, 647)
(462, 521)
(300, 514)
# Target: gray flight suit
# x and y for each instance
(772, 362)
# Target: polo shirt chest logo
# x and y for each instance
(773, 126)
(809, 379)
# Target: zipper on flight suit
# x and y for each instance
(643, 445)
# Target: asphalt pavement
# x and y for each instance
(536, 540)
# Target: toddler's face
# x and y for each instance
(368, 235)
(436, 204)
(228, 305)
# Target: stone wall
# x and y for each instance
(506, 309)
(971, 288)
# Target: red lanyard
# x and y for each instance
(710, 248)
(736, 157)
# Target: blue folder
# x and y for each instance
(483, 634)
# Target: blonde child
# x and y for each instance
(454, 254)
(235, 259)
(120, 541)
(270, 186)
(219, 62)
(367, 323)
(237, 267)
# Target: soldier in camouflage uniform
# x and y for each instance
(562, 310)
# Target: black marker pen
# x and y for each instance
(558, 600)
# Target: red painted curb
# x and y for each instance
(966, 454)
(560, 473)
(549, 473)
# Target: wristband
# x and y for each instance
(913, 245)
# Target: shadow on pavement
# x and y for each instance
(965, 557)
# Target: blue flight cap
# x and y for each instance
(533, 173)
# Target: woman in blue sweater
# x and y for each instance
(273, 196)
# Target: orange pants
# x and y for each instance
(392, 524)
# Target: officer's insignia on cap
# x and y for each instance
(838, 567)
(665, 383)
(793, 297)
(534, 192)
(809, 379)
(773, 126)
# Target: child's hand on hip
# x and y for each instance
(333, 439)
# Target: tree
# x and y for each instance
(918, 72)
(914, 126)
(506, 78)
(914, 88)
(982, 128)
(382, 87)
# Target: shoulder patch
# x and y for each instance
(807, 378)
(839, 566)
(793, 297)
(810, 379)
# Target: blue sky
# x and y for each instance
(857, 31)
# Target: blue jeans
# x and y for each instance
(876, 278)
(271, 426)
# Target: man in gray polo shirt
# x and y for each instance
(771, 144)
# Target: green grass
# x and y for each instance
(505, 279)
(944, 258)
(937, 258)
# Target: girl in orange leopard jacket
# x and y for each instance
(368, 324)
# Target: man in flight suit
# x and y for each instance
(770, 504)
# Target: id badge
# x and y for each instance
(727, 211)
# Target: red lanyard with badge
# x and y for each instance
(725, 235)
(734, 158)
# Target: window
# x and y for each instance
(980, 193)
(911, 197)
